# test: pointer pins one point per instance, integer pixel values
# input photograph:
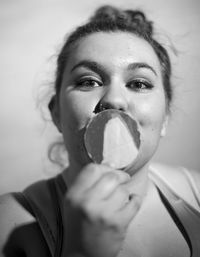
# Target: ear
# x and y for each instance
(164, 126)
(55, 113)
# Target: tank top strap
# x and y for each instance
(61, 183)
(59, 219)
(187, 218)
(42, 221)
(193, 185)
(30, 198)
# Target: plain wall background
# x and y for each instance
(32, 32)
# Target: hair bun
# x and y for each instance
(105, 13)
(133, 19)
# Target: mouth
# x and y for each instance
(112, 137)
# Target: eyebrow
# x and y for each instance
(94, 66)
(140, 65)
(98, 68)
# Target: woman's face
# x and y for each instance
(121, 71)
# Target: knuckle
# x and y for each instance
(110, 180)
(106, 218)
(122, 196)
(90, 168)
(91, 212)
(123, 175)
(110, 176)
(122, 192)
(70, 196)
(77, 200)
(116, 177)
(114, 223)
(89, 208)
(73, 199)
(93, 169)
(110, 220)
(135, 202)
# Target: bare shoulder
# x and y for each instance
(177, 173)
(20, 234)
(195, 176)
(13, 216)
(185, 182)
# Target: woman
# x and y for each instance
(111, 63)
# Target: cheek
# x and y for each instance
(76, 110)
(151, 115)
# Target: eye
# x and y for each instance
(139, 85)
(88, 84)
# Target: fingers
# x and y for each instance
(129, 210)
(98, 181)
(118, 199)
(87, 177)
(120, 203)
(97, 192)
(101, 194)
(107, 184)
(116, 212)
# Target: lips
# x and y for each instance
(112, 138)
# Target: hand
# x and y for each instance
(101, 210)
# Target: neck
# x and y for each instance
(139, 182)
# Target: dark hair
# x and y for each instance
(111, 19)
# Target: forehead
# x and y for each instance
(114, 49)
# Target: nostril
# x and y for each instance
(100, 107)
(105, 106)
(97, 109)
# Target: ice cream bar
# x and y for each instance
(112, 138)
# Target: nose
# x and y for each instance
(114, 98)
